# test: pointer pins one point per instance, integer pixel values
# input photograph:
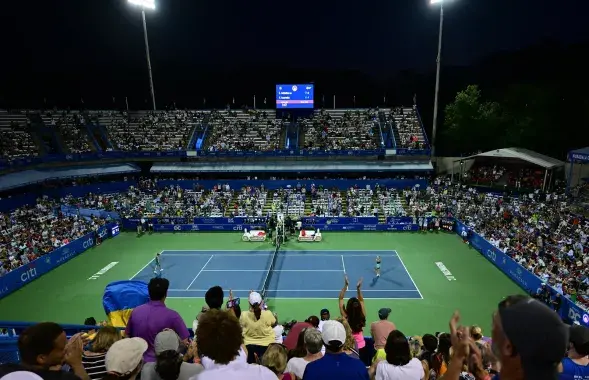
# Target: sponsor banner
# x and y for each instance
(399, 220)
(578, 157)
(88, 212)
(19, 277)
(340, 220)
(367, 227)
(203, 227)
(525, 279)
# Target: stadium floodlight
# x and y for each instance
(438, 65)
(146, 4)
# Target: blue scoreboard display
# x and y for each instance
(294, 96)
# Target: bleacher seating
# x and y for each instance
(390, 203)
(15, 140)
(70, 126)
(409, 127)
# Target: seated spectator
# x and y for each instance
(124, 359)
(312, 343)
(221, 326)
(299, 350)
(257, 328)
(430, 345)
(43, 348)
(293, 335)
(324, 317)
(398, 364)
(380, 331)
(335, 364)
(576, 364)
(529, 338)
(93, 359)
(148, 320)
(169, 364)
(275, 360)
(214, 298)
(354, 312)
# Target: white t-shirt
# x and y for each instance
(297, 366)
(236, 370)
(209, 364)
(410, 371)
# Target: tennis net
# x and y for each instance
(270, 270)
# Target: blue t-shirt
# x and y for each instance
(336, 366)
(573, 371)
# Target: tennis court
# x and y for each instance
(306, 277)
(314, 274)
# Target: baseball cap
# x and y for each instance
(255, 298)
(324, 311)
(125, 355)
(166, 340)
(384, 313)
(579, 338)
(538, 335)
(22, 375)
(333, 331)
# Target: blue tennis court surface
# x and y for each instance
(296, 274)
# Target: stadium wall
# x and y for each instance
(20, 277)
(522, 277)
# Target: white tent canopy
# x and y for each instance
(519, 154)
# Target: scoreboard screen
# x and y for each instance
(294, 96)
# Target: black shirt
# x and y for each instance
(5, 369)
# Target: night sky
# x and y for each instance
(376, 37)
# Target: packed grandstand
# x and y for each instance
(541, 229)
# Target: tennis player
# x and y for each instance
(158, 265)
(377, 267)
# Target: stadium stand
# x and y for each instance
(71, 127)
(410, 131)
(15, 140)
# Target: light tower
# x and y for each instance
(146, 4)
(438, 65)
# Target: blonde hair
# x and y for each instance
(349, 343)
(105, 338)
(275, 358)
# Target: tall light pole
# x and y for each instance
(149, 4)
(438, 65)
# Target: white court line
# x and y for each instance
(274, 270)
(145, 266)
(308, 298)
(285, 250)
(286, 254)
(298, 290)
(201, 269)
(409, 274)
(343, 264)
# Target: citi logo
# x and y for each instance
(28, 275)
(88, 243)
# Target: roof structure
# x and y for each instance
(520, 154)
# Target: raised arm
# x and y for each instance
(360, 297)
(342, 294)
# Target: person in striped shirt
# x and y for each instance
(94, 359)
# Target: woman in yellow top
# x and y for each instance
(256, 324)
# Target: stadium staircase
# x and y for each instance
(308, 205)
(290, 136)
(199, 134)
(395, 131)
(388, 135)
(48, 139)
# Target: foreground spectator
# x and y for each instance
(576, 365)
(169, 364)
(336, 364)
(293, 335)
(93, 360)
(355, 313)
(124, 359)
(380, 331)
(312, 344)
(43, 348)
(257, 328)
(350, 345)
(325, 316)
(148, 320)
(275, 360)
(529, 338)
(398, 364)
(219, 337)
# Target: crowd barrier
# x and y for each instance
(19, 277)
(88, 212)
(340, 220)
(521, 276)
(293, 184)
(293, 153)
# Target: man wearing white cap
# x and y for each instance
(336, 364)
(257, 325)
(168, 361)
(124, 358)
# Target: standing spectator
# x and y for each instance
(219, 337)
(380, 331)
(576, 365)
(93, 360)
(169, 364)
(124, 359)
(257, 328)
(529, 338)
(43, 348)
(275, 360)
(398, 364)
(355, 313)
(324, 317)
(148, 320)
(313, 344)
(336, 364)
